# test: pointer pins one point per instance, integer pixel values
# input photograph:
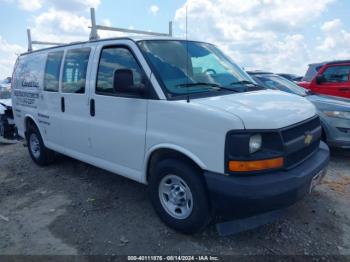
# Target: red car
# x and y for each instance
(330, 78)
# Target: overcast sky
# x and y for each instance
(274, 35)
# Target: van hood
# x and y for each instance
(267, 109)
(4, 105)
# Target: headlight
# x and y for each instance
(255, 143)
(338, 114)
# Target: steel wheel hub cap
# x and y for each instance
(175, 197)
(34, 145)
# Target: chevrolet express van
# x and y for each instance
(176, 115)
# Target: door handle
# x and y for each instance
(63, 106)
(92, 107)
(344, 89)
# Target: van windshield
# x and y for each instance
(187, 67)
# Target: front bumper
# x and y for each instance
(7, 127)
(239, 196)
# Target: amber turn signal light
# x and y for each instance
(244, 166)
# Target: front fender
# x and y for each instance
(176, 148)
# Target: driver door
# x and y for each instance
(118, 117)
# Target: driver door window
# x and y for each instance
(112, 59)
(337, 74)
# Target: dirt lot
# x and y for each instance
(73, 208)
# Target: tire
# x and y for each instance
(2, 127)
(41, 155)
(324, 136)
(183, 181)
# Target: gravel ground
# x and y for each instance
(73, 208)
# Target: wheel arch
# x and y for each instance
(163, 151)
(28, 120)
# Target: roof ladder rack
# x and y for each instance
(94, 32)
(31, 43)
(94, 29)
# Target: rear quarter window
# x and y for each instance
(52, 71)
(74, 71)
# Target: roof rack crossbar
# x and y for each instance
(94, 32)
(46, 43)
(31, 42)
(94, 29)
(116, 29)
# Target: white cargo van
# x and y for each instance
(177, 115)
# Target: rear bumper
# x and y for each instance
(238, 196)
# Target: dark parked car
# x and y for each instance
(334, 112)
(291, 77)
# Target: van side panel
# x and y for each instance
(27, 87)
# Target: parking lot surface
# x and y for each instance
(73, 208)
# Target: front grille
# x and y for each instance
(299, 156)
(294, 141)
(299, 130)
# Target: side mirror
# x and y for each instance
(320, 79)
(123, 82)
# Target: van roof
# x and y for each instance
(132, 38)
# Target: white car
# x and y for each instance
(174, 114)
(7, 124)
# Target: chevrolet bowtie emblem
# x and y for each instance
(308, 139)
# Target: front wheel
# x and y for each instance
(179, 196)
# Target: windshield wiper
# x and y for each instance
(215, 86)
(244, 82)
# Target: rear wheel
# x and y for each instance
(41, 155)
(179, 196)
